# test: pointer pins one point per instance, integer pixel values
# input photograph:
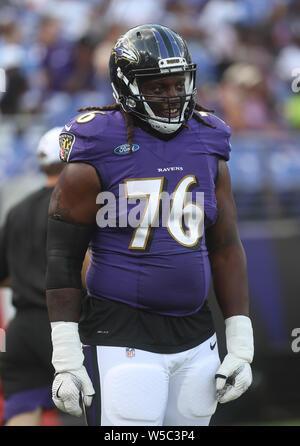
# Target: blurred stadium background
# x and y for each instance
(54, 55)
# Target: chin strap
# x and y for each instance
(162, 127)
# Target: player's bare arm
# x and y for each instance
(74, 196)
(229, 272)
(226, 253)
(72, 217)
(73, 201)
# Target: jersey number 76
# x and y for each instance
(180, 210)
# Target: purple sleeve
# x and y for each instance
(80, 139)
(217, 140)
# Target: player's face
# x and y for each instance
(171, 87)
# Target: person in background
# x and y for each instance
(25, 368)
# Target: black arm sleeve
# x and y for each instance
(67, 244)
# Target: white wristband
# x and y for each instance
(239, 337)
(67, 350)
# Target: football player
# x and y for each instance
(140, 348)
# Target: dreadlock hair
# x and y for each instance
(129, 120)
(198, 118)
(127, 117)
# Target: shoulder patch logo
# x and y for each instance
(123, 50)
(66, 142)
(124, 149)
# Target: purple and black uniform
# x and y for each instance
(156, 273)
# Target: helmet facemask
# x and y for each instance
(175, 110)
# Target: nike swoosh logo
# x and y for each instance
(57, 396)
(68, 127)
(212, 346)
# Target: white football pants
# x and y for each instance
(139, 388)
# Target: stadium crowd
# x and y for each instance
(55, 56)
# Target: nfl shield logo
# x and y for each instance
(130, 352)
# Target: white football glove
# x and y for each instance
(234, 375)
(71, 382)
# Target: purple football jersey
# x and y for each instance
(161, 263)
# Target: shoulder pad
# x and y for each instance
(215, 121)
(80, 135)
(217, 140)
(86, 122)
